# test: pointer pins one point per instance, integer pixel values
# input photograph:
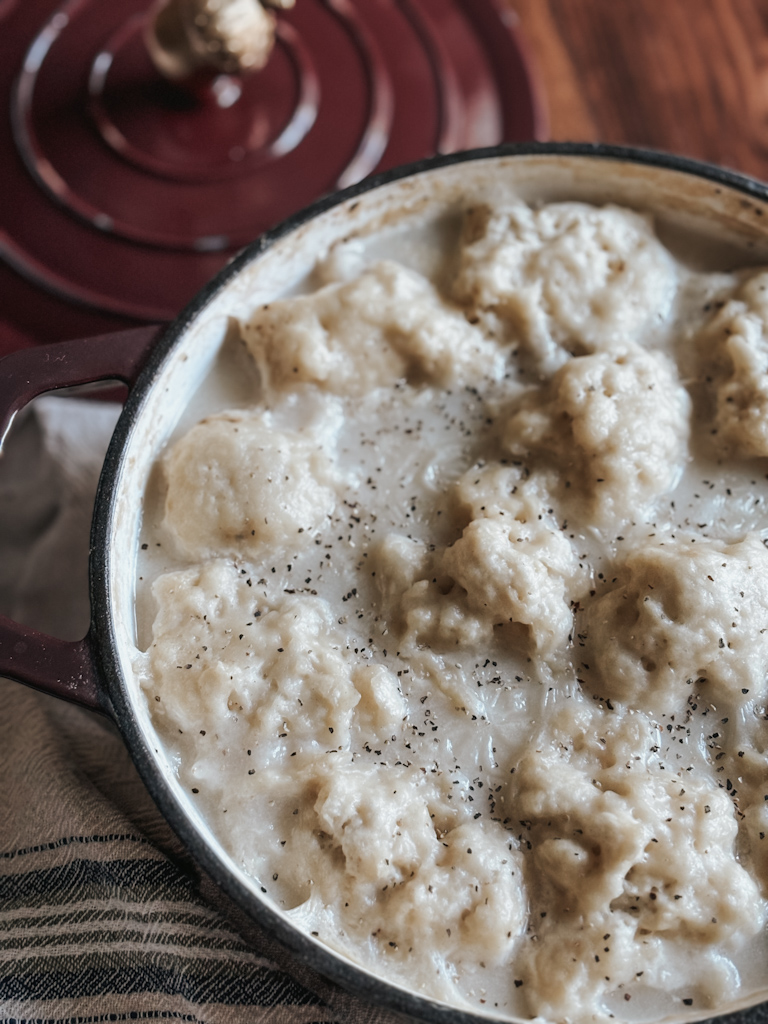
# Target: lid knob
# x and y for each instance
(188, 37)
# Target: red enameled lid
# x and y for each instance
(121, 194)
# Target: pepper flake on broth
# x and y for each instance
(460, 640)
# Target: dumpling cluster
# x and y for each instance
(435, 694)
(629, 858)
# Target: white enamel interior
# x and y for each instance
(728, 229)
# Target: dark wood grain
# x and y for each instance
(688, 76)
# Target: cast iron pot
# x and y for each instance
(163, 368)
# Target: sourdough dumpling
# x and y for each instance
(614, 426)
(571, 278)
(383, 839)
(416, 878)
(516, 573)
(238, 485)
(496, 490)
(470, 903)
(511, 566)
(418, 607)
(275, 675)
(629, 855)
(351, 337)
(683, 614)
(734, 350)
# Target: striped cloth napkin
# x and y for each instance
(103, 916)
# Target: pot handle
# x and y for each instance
(63, 668)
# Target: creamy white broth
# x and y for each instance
(469, 715)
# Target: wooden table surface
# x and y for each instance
(686, 76)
